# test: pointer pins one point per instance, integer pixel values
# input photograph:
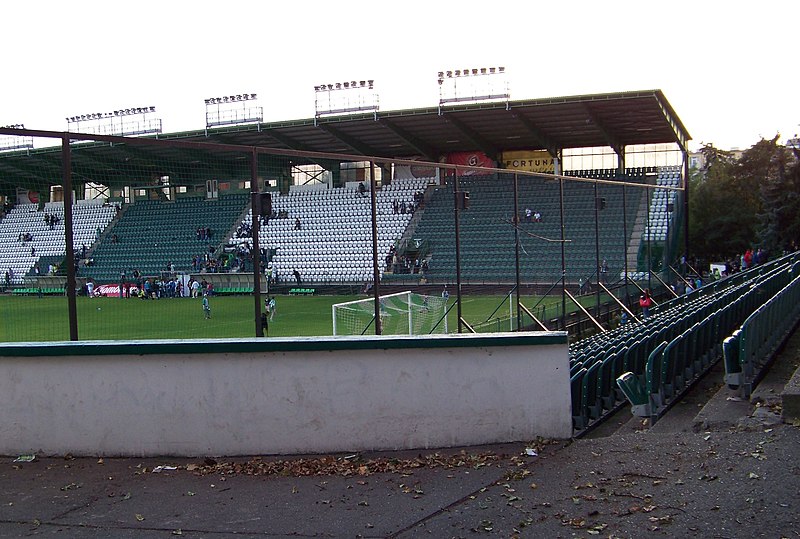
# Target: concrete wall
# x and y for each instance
(282, 396)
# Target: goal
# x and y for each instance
(404, 313)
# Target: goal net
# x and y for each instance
(404, 313)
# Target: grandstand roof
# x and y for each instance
(612, 120)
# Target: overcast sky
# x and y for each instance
(729, 69)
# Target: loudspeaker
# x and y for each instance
(263, 203)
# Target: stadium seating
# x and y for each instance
(150, 234)
(487, 235)
(684, 337)
(47, 244)
(659, 215)
(749, 349)
(334, 241)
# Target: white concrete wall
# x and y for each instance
(391, 395)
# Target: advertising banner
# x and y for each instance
(24, 196)
(472, 159)
(529, 161)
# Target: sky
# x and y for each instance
(728, 68)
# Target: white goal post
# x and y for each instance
(403, 313)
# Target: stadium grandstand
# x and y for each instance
(189, 188)
(489, 197)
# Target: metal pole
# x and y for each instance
(563, 257)
(456, 195)
(649, 234)
(256, 210)
(516, 247)
(625, 239)
(376, 272)
(685, 203)
(66, 172)
(597, 247)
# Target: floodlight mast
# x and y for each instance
(345, 97)
(473, 85)
(236, 109)
(119, 122)
(14, 142)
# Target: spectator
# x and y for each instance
(296, 276)
(362, 190)
(645, 302)
(297, 224)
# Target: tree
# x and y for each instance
(739, 204)
(780, 195)
(723, 207)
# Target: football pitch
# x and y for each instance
(32, 319)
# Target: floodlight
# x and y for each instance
(474, 71)
(458, 73)
(347, 85)
(501, 69)
(492, 70)
(483, 71)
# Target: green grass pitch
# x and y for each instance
(32, 319)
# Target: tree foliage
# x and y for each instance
(740, 204)
(722, 210)
(780, 193)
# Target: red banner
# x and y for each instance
(471, 159)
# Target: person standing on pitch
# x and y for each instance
(206, 306)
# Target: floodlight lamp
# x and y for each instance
(253, 96)
(233, 98)
(474, 71)
(492, 70)
(441, 74)
(352, 83)
(458, 73)
(501, 69)
(465, 72)
(238, 97)
(330, 87)
(370, 83)
(449, 74)
(208, 101)
(347, 85)
(338, 85)
(152, 109)
(363, 83)
(483, 71)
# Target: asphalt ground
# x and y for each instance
(715, 466)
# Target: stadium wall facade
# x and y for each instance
(282, 396)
